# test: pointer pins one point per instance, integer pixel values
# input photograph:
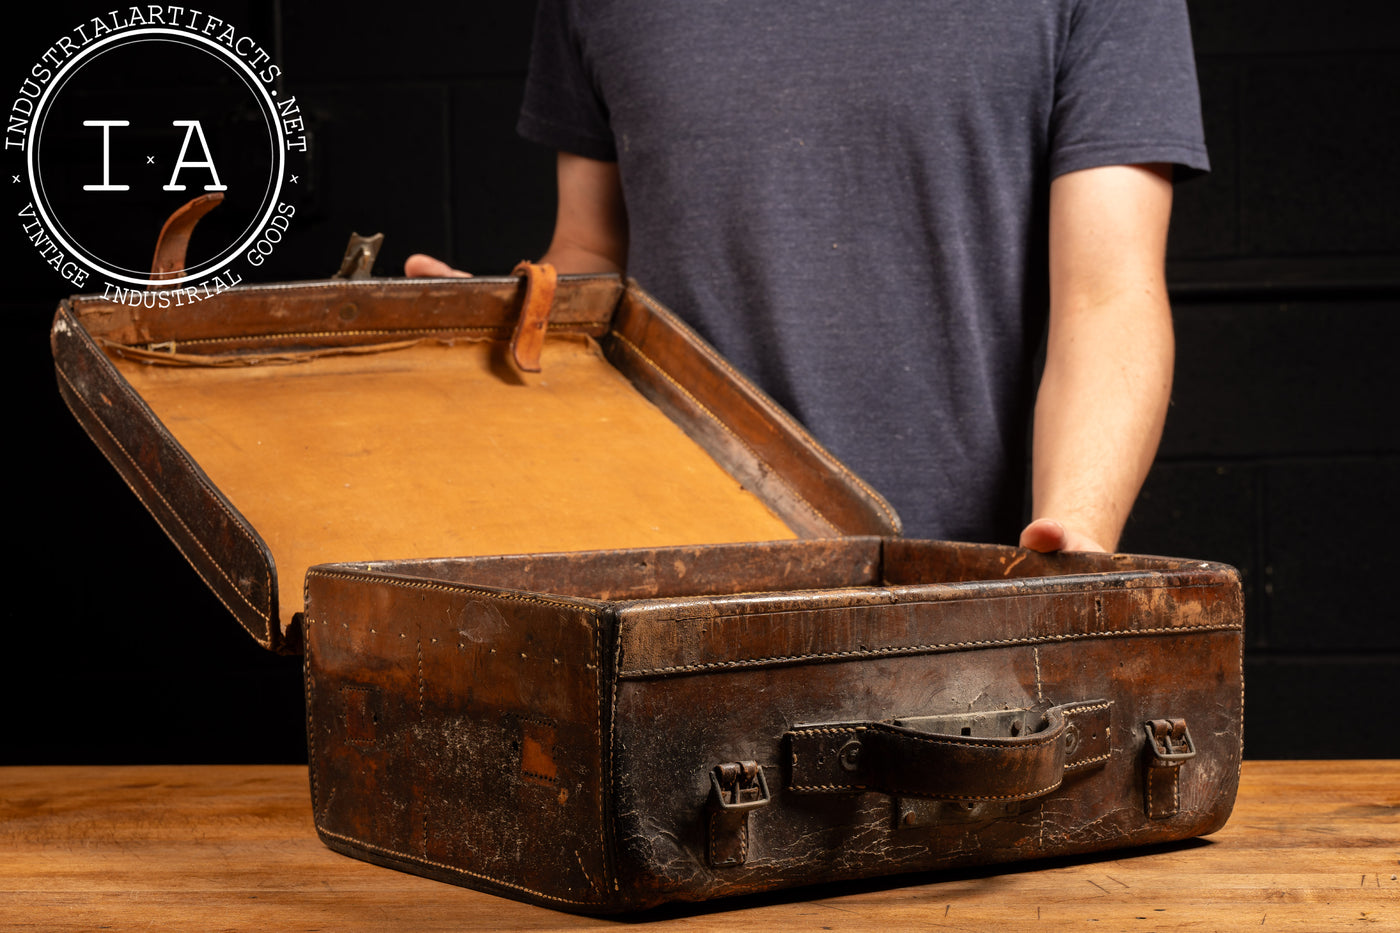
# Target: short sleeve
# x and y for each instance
(1126, 89)
(562, 108)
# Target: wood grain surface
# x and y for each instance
(1312, 846)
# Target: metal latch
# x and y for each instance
(1169, 744)
(360, 253)
(1169, 741)
(735, 788)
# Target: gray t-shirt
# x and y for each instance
(849, 200)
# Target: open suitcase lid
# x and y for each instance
(272, 428)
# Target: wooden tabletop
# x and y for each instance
(1312, 846)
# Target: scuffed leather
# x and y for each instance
(892, 759)
(670, 675)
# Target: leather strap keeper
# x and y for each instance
(527, 340)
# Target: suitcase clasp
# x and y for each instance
(1169, 743)
(736, 787)
(360, 253)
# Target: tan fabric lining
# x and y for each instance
(441, 450)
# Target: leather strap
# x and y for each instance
(898, 760)
(527, 341)
(169, 259)
(736, 788)
(1169, 744)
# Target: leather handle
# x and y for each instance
(900, 760)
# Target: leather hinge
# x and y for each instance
(1169, 745)
(735, 789)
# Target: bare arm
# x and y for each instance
(590, 229)
(1108, 366)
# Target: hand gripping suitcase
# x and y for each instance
(710, 668)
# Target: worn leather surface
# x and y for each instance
(658, 688)
(546, 726)
(272, 428)
(901, 759)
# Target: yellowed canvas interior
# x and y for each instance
(438, 450)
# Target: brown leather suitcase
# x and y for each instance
(730, 675)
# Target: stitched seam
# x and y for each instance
(1239, 720)
(743, 830)
(450, 868)
(1070, 713)
(1162, 809)
(333, 285)
(579, 857)
(782, 416)
(915, 649)
(370, 578)
(365, 692)
(893, 791)
(612, 735)
(310, 687)
(264, 614)
(830, 730)
(373, 332)
(818, 788)
(1022, 796)
(422, 686)
(728, 430)
(289, 335)
(1088, 761)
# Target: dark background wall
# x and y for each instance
(1280, 454)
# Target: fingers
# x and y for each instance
(1044, 534)
(420, 265)
(1047, 534)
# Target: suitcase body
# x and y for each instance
(612, 730)
(712, 668)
